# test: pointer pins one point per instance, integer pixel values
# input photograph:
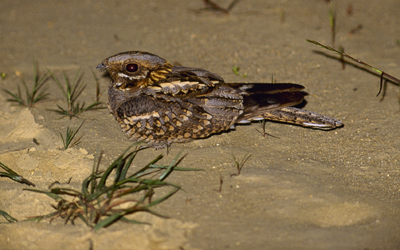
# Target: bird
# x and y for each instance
(160, 104)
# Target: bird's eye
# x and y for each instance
(132, 67)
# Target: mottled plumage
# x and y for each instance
(159, 103)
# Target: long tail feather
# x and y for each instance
(275, 102)
(301, 117)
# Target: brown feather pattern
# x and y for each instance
(159, 103)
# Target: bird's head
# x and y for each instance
(135, 69)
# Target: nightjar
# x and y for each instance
(159, 103)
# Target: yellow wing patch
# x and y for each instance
(181, 87)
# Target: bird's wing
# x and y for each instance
(261, 98)
(188, 82)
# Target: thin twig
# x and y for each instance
(383, 75)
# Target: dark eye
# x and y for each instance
(132, 67)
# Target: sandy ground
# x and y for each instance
(301, 189)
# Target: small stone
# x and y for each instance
(83, 151)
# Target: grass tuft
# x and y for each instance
(109, 196)
(36, 94)
(69, 137)
(240, 165)
(71, 92)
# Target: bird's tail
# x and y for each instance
(302, 117)
(275, 102)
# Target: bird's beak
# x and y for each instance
(102, 67)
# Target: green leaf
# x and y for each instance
(50, 194)
(159, 200)
(8, 217)
(14, 176)
(109, 220)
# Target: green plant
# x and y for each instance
(240, 165)
(236, 69)
(71, 92)
(8, 217)
(104, 199)
(70, 135)
(14, 176)
(38, 92)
